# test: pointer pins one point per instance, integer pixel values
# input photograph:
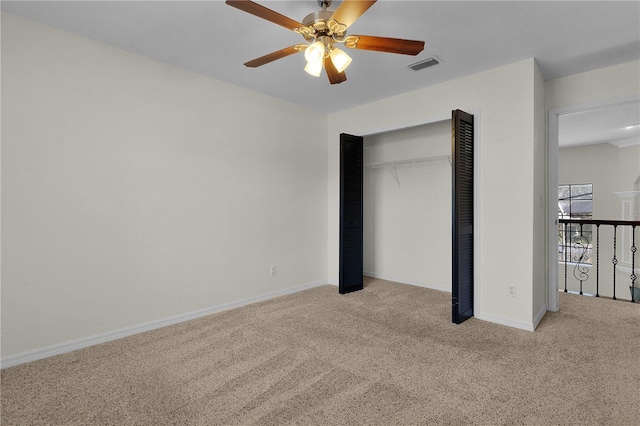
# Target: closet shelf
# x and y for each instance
(410, 161)
(391, 165)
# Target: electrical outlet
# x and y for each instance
(273, 270)
(511, 290)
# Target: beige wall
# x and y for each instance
(503, 102)
(598, 164)
(407, 222)
(629, 158)
(611, 83)
(133, 191)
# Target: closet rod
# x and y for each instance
(410, 161)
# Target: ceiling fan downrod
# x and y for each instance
(324, 4)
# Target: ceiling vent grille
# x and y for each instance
(425, 63)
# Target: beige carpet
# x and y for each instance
(385, 355)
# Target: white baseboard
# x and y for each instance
(489, 318)
(508, 323)
(403, 281)
(141, 328)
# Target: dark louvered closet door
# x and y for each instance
(462, 215)
(351, 213)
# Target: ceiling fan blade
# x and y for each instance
(264, 13)
(335, 77)
(350, 10)
(279, 54)
(387, 44)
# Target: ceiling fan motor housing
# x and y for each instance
(319, 26)
(318, 20)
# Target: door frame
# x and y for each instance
(446, 115)
(553, 128)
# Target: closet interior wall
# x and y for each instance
(407, 205)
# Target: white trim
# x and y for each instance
(538, 317)
(477, 253)
(585, 265)
(628, 194)
(626, 269)
(411, 282)
(553, 302)
(627, 142)
(508, 323)
(141, 328)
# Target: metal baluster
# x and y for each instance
(633, 263)
(580, 260)
(580, 270)
(565, 248)
(614, 260)
(597, 260)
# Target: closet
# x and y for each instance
(407, 205)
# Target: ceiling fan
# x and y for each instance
(324, 29)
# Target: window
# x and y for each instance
(575, 201)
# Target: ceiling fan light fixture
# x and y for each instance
(340, 59)
(314, 68)
(315, 52)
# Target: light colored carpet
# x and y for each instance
(385, 355)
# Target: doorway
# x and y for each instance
(588, 135)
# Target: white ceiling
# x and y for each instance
(212, 38)
(618, 125)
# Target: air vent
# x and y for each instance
(424, 63)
